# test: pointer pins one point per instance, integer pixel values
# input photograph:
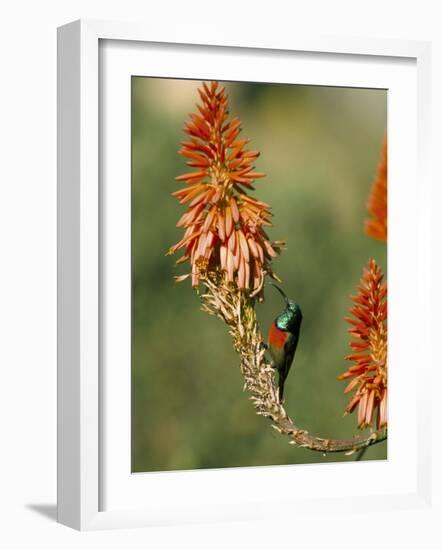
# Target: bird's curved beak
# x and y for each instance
(280, 291)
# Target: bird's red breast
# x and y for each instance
(277, 337)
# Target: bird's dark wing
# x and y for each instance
(290, 349)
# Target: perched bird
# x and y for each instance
(283, 339)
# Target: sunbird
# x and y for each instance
(283, 339)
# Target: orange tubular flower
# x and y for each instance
(368, 373)
(224, 225)
(376, 227)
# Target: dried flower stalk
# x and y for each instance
(238, 312)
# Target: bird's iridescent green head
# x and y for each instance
(290, 319)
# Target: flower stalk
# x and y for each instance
(376, 225)
(368, 372)
(223, 224)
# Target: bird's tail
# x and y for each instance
(281, 389)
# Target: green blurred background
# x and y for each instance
(319, 148)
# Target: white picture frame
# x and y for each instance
(84, 466)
